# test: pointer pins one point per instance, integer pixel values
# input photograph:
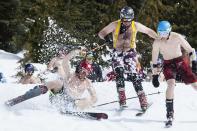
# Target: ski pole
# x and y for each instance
(98, 47)
(161, 70)
(126, 99)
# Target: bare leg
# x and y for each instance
(170, 89)
(54, 85)
(170, 99)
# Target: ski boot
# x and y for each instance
(170, 117)
(122, 98)
(36, 91)
(142, 100)
(14, 101)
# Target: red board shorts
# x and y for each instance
(179, 65)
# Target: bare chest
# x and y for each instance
(124, 40)
(77, 86)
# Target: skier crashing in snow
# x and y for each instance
(67, 90)
(170, 47)
(124, 54)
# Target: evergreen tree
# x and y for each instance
(8, 24)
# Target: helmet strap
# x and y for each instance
(168, 36)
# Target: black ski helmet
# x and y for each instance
(127, 13)
(29, 68)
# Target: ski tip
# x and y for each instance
(102, 116)
(8, 104)
(168, 126)
(139, 113)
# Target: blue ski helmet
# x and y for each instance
(164, 28)
(29, 68)
(127, 14)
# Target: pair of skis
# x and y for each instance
(96, 115)
(140, 113)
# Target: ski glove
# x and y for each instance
(108, 39)
(155, 81)
(194, 67)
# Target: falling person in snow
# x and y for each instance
(170, 47)
(66, 91)
(124, 54)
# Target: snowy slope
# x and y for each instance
(38, 115)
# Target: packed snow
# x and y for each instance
(38, 114)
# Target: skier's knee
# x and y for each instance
(119, 71)
(119, 77)
(37, 90)
(138, 87)
(136, 83)
(43, 88)
(171, 83)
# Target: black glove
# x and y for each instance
(194, 67)
(54, 70)
(155, 81)
(108, 39)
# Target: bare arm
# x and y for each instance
(89, 101)
(106, 30)
(92, 92)
(51, 64)
(155, 54)
(187, 47)
(141, 28)
(66, 62)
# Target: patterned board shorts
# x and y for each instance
(127, 60)
(179, 66)
(62, 101)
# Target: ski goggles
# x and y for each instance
(126, 20)
(163, 33)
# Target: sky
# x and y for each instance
(38, 114)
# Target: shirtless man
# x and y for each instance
(124, 54)
(66, 90)
(28, 78)
(170, 47)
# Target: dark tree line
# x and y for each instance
(24, 24)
